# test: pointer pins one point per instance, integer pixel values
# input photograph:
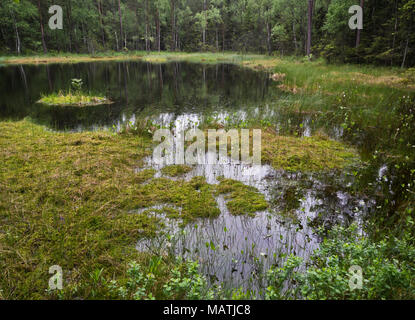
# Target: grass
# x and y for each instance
(194, 198)
(73, 99)
(242, 199)
(70, 58)
(64, 200)
(306, 74)
(176, 170)
(306, 154)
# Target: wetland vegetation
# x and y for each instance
(79, 188)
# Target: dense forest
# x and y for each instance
(300, 27)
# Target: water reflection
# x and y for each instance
(161, 92)
(237, 250)
(138, 88)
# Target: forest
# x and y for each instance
(274, 27)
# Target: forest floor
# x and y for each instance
(68, 197)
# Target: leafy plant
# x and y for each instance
(184, 282)
(76, 84)
(388, 269)
(187, 283)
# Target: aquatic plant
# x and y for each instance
(76, 84)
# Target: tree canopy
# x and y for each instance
(261, 26)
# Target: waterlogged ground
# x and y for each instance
(237, 220)
(237, 250)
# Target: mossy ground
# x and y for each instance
(306, 154)
(176, 170)
(73, 99)
(67, 198)
(63, 201)
(195, 197)
(242, 199)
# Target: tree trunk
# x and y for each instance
(72, 36)
(406, 52)
(223, 38)
(120, 14)
(217, 39)
(99, 6)
(116, 40)
(173, 22)
(158, 31)
(362, 3)
(269, 38)
(309, 25)
(147, 28)
(18, 43)
(295, 37)
(42, 31)
(204, 28)
(395, 30)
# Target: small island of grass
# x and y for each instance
(74, 97)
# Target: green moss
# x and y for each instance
(317, 153)
(168, 211)
(65, 200)
(195, 198)
(176, 170)
(242, 199)
(73, 99)
(144, 175)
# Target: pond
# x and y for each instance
(138, 88)
(162, 92)
(233, 250)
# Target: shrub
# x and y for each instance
(388, 270)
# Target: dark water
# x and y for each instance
(139, 89)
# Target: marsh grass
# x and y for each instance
(64, 200)
(176, 170)
(80, 99)
(242, 199)
(306, 154)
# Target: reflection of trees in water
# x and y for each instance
(135, 86)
